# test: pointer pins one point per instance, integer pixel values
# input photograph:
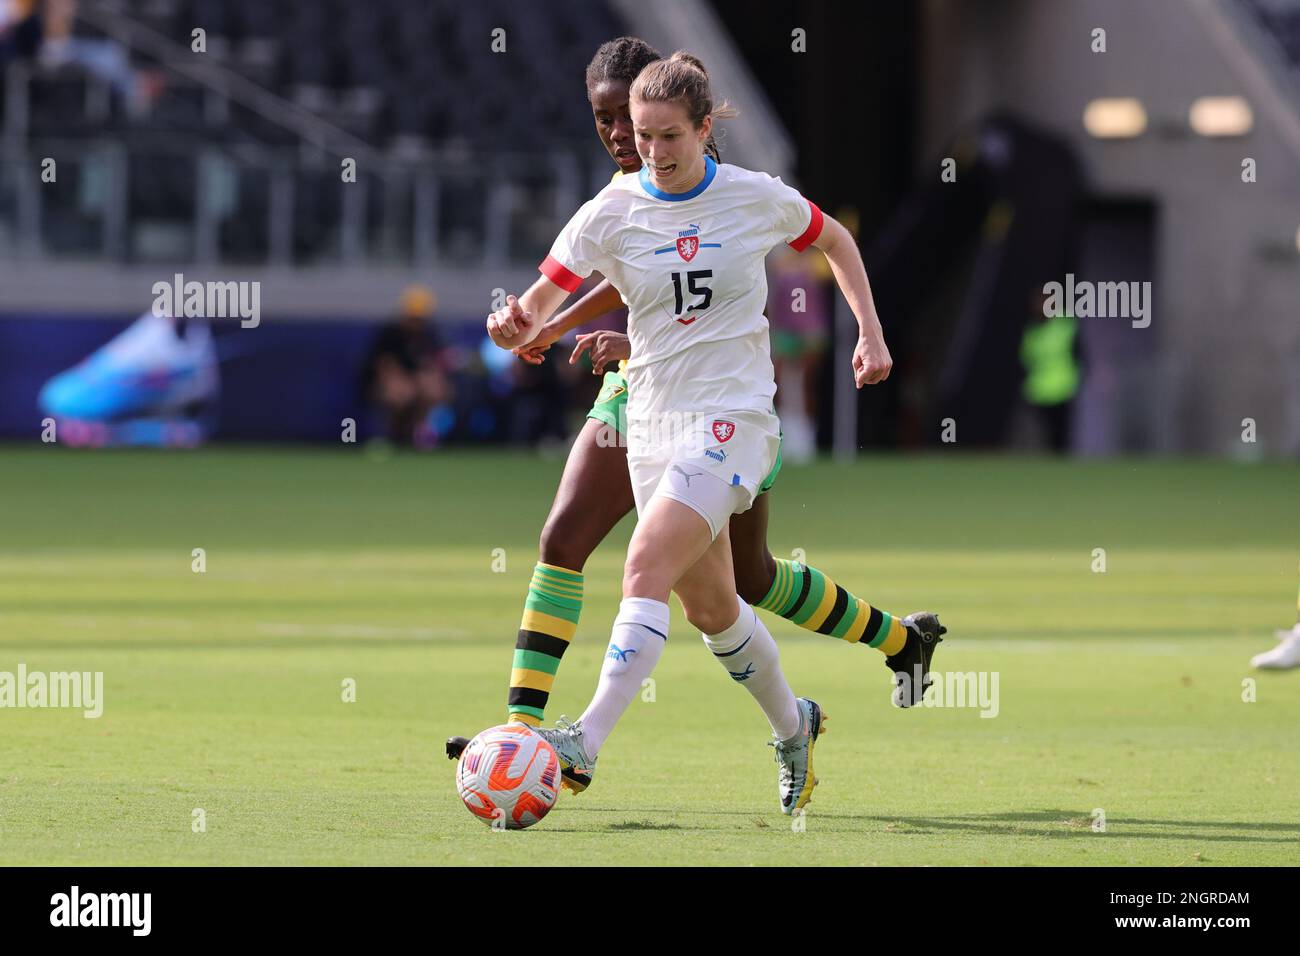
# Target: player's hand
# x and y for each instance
(871, 362)
(606, 346)
(532, 354)
(511, 327)
(547, 335)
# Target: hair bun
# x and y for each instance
(690, 58)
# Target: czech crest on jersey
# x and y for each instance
(723, 430)
(688, 242)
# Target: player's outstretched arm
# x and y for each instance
(518, 322)
(601, 300)
(871, 359)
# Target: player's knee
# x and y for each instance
(709, 603)
(642, 579)
(644, 573)
(560, 547)
(712, 614)
(711, 621)
(754, 578)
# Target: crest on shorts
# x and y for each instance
(723, 430)
(610, 391)
(688, 242)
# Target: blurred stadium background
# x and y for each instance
(226, 165)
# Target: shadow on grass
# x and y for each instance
(644, 825)
(1053, 824)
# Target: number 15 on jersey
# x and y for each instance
(694, 287)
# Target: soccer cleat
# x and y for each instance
(911, 665)
(576, 769)
(1282, 657)
(795, 780)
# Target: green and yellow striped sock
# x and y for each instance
(549, 622)
(812, 600)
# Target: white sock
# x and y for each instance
(638, 638)
(748, 652)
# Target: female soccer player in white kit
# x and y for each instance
(685, 243)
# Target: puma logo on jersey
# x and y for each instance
(688, 244)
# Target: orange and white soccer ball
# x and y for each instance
(508, 777)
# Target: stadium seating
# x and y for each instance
(381, 69)
(392, 74)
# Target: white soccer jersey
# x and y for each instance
(690, 267)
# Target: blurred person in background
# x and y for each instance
(20, 30)
(404, 371)
(1049, 354)
(798, 310)
(102, 58)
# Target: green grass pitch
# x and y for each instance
(1120, 692)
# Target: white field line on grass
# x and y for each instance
(290, 629)
(268, 628)
(1141, 647)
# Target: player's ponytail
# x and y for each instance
(710, 144)
(692, 59)
(683, 79)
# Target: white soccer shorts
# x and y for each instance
(713, 464)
